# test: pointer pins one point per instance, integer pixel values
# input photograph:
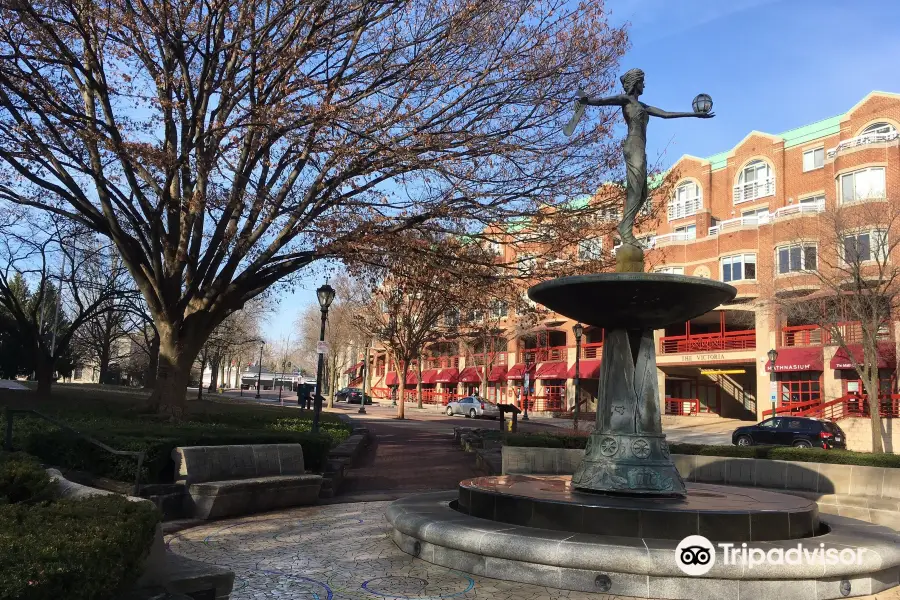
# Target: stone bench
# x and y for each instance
(225, 481)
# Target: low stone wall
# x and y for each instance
(868, 493)
(859, 434)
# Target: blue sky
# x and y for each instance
(769, 65)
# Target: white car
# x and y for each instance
(471, 406)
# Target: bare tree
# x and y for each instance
(222, 147)
(70, 283)
(849, 255)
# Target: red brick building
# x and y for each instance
(749, 216)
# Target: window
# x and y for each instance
(79, 372)
(862, 184)
(738, 267)
(876, 128)
(812, 201)
(864, 246)
(452, 317)
(755, 181)
(688, 232)
(671, 270)
(527, 263)
(609, 213)
(796, 258)
(494, 248)
(799, 386)
(591, 249)
(687, 201)
(813, 159)
(500, 309)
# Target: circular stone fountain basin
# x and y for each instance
(716, 512)
(631, 300)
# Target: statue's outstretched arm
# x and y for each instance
(608, 101)
(664, 114)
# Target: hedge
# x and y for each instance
(817, 455)
(74, 549)
(157, 436)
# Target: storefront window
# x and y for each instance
(799, 386)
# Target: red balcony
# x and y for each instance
(591, 351)
(682, 407)
(708, 342)
(442, 362)
(814, 335)
(537, 355)
(492, 358)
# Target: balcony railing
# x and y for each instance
(441, 362)
(803, 208)
(492, 358)
(682, 407)
(754, 221)
(552, 400)
(536, 355)
(864, 140)
(744, 192)
(591, 351)
(708, 342)
(814, 335)
(672, 238)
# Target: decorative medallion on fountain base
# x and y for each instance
(623, 463)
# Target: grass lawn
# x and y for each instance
(118, 418)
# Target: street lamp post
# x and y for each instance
(325, 294)
(259, 372)
(526, 377)
(578, 330)
(365, 376)
(773, 387)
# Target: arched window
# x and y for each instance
(687, 200)
(756, 180)
(876, 128)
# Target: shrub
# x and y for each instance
(73, 549)
(22, 479)
(843, 457)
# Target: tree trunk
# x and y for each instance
(871, 384)
(200, 385)
(153, 364)
(174, 372)
(419, 383)
(213, 375)
(104, 365)
(44, 374)
(401, 388)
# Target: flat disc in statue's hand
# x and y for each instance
(631, 300)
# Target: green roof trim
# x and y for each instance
(813, 131)
(791, 137)
(578, 203)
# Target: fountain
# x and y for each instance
(625, 522)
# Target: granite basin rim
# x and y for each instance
(632, 300)
(429, 519)
(719, 513)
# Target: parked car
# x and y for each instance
(470, 406)
(351, 396)
(800, 432)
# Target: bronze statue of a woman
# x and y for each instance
(636, 114)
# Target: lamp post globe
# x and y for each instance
(702, 103)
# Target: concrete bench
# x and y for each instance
(225, 481)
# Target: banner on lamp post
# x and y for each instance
(321, 347)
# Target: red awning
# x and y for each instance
(886, 356)
(470, 375)
(391, 379)
(447, 376)
(353, 368)
(412, 378)
(518, 371)
(498, 373)
(588, 369)
(429, 375)
(798, 359)
(551, 370)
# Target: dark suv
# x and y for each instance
(800, 432)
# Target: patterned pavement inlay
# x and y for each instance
(343, 552)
